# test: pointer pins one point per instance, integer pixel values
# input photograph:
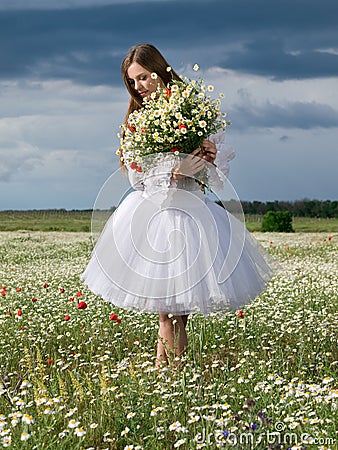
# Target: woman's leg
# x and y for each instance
(172, 338)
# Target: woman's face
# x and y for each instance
(141, 81)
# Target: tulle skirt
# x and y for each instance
(176, 252)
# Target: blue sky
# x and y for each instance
(62, 99)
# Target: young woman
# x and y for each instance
(167, 248)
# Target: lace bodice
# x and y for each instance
(157, 175)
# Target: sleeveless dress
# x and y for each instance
(169, 248)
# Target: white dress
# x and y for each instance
(168, 248)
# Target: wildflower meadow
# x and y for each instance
(77, 373)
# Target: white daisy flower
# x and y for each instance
(174, 426)
(80, 432)
(6, 441)
(73, 423)
(125, 431)
(71, 412)
(25, 436)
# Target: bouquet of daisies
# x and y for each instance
(176, 118)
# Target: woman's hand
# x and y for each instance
(190, 165)
(209, 151)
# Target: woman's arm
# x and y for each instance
(190, 165)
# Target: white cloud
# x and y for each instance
(17, 158)
(330, 51)
(57, 142)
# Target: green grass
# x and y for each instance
(299, 224)
(80, 220)
(272, 370)
(46, 220)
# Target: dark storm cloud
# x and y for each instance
(272, 58)
(300, 115)
(278, 39)
(284, 138)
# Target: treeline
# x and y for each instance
(298, 208)
(326, 209)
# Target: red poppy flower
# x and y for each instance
(132, 128)
(167, 92)
(82, 305)
(71, 299)
(67, 317)
(49, 361)
(62, 290)
(136, 167)
(18, 289)
(78, 294)
(115, 317)
(45, 285)
(240, 314)
(8, 313)
(3, 293)
(174, 149)
(182, 126)
(19, 313)
(34, 299)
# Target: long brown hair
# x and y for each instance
(153, 61)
